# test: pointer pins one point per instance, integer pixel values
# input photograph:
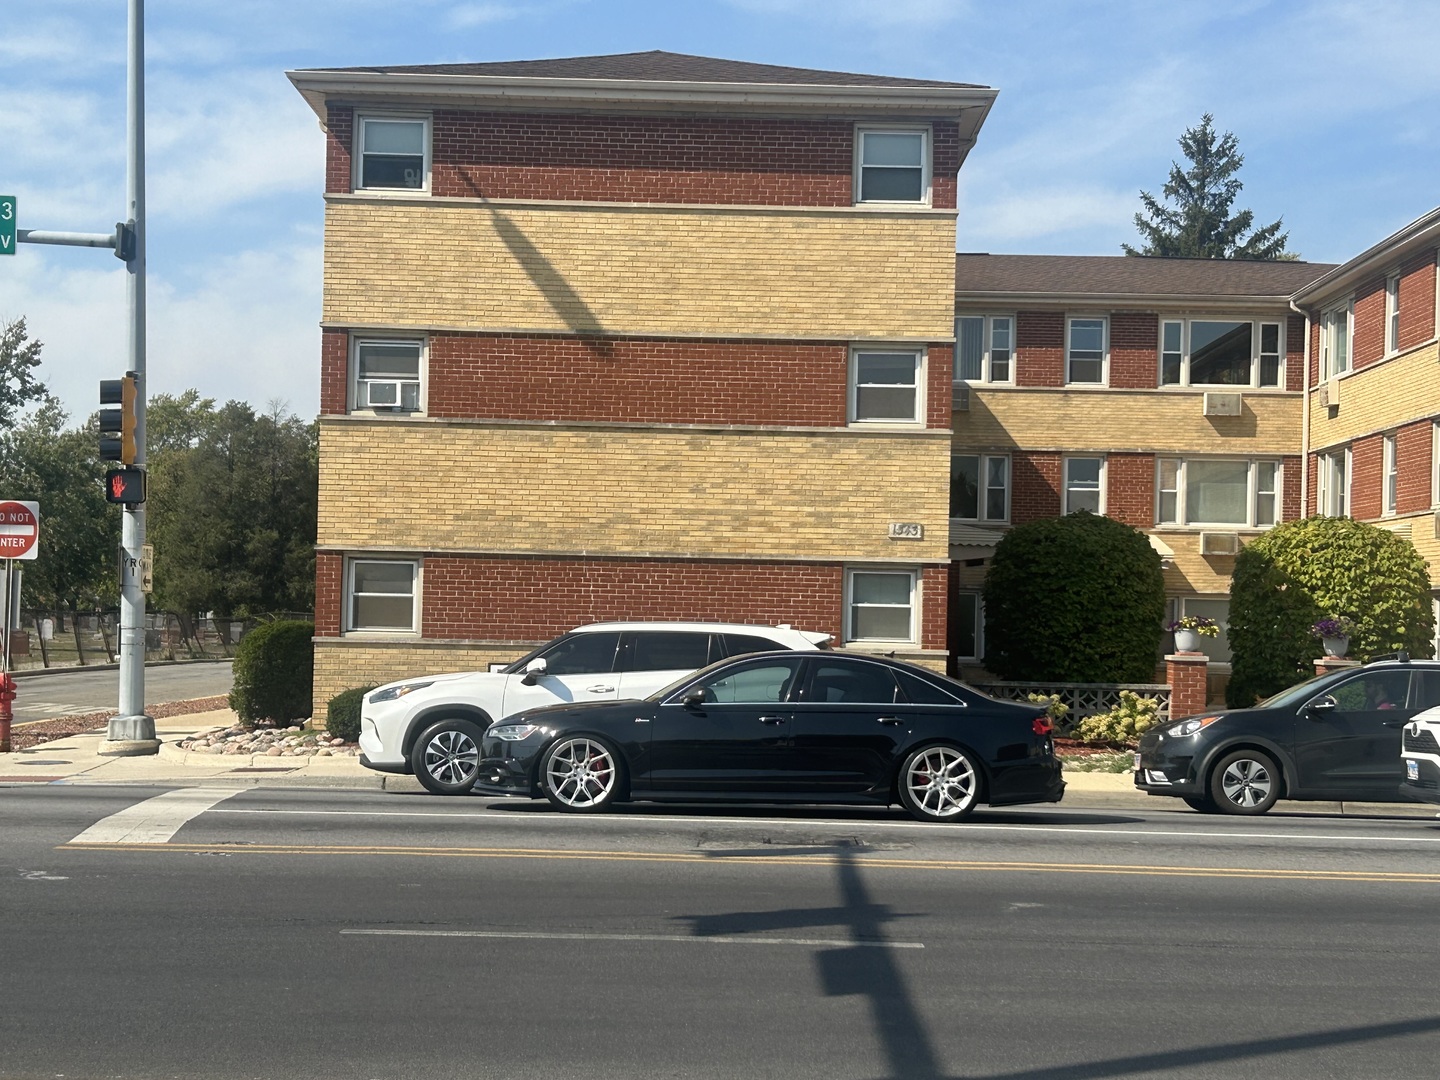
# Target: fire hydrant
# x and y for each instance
(7, 695)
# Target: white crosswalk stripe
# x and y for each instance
(156, 820)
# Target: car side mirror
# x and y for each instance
(693, 698)
(1322, 705)
(533, 670)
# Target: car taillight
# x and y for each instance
(1041, 725)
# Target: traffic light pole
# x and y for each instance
(131, 731)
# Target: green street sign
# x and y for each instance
(7, 224)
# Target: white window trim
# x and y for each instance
(986, 375)
(352, 372)
(1252, 491)
(1327, 329)
(348, 610)
(978, 655)
(357, 153)
(1389, 475)
(852, 391)
(1256, 336)
(1392, 313)
(926, 162)
(1104, 320)
(915, 621)
(1324, 474)
(983, 488)
(1065, 479)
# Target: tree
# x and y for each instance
(1195, 220)
(1302, 571)
(18, 360)
(1074, 599)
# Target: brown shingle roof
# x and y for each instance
(1123, 275)
(654, 66)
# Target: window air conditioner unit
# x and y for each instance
(1330, 394)
(1219, 543)
(1437, 524)
(1222, 404)
(384, 393)
(962, 399)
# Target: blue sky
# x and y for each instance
(1334, 104)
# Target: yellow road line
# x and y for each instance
(824, 860)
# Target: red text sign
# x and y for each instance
(19, 530)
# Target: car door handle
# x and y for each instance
(890, 721)
(772, 719)
(598, 689)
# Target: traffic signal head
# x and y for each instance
(117, 426)
(125, 486)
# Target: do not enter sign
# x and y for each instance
(19, 530)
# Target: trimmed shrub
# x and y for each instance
(342, 714)
(1123, 724)
(274, 670)
(1302, 571)
(1074, 599)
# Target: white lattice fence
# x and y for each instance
(1083, 699)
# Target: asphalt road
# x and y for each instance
(325, 934)
(77, 690)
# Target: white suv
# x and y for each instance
(1420, 750)
(431, 726)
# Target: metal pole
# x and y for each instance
(131, 731)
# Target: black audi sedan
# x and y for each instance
(1334, 737)
(784, 727)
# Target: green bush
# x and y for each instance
(1074, 599)
(1125, 723)
(342, 714)
(274, 669)
(1302, 571)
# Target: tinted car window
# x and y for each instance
(919, 691)
(582, 654)
(1373, 690)
(662, 650)
(1427, 689)
(835, 682)
(735, 644)
(760, 683)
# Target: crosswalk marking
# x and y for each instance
(156, 820)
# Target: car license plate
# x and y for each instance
(1412, 769)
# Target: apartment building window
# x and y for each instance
(381, 595)
(886, 386)
(893, 165)
(1216, 649)
(1335, 332)
(881, 605)
(1220, 352)
(979, 487)
(984, 348)
(1332, 493)
(392, 153)
(1084, 484)
(1392, 314)
(1217, 491)
(967, 623)
(1390, 475)
(387, 374)
(1085, 351)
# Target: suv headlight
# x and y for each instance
(1190, 727)
(390, 693)
(513, 732)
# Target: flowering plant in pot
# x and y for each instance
(1334, 633)
(1189, 629)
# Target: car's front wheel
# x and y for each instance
(581, 774)
(1245, 782)
(446, 757)
(940, 783)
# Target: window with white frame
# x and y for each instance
(387, 374)
(984, 348)
(1221, 352)
(967, 626)
(1085, 484)
(979, 487)
(1085, 351)
(1390, 477)
(1332, 492)
(381, 595)
(1335, 331)
(1217, 648)
(886, 386)
(892, 165)
(392, 153)
(1392, 313)
(1217, 491)
(882, 605)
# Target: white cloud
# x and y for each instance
(466, 16)
(873, 13)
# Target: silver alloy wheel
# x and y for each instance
(1247, 782)
(580, 773)
(941, 781)
(452, 757)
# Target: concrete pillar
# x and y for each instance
(1186, 673)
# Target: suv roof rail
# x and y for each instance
(1402, 656)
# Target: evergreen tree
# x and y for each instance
(1195, 220)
